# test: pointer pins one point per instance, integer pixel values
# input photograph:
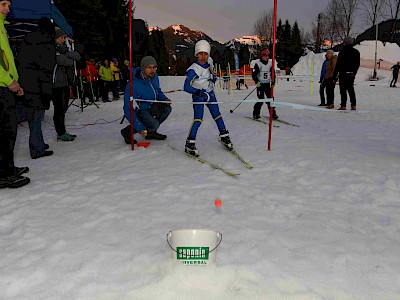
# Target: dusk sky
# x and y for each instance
(223, 20)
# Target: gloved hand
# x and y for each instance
(203, 95)
(258, 84)
(272, 83)
(63, 49)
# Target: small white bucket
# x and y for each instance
(194, 246)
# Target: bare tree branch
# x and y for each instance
(263, 26)
(372, 10)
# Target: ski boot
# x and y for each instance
(224, 139)
(274, 115)
(190, 147)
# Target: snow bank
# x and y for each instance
(389, 54)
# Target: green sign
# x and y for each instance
(192, 253)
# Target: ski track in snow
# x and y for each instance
(317, 218)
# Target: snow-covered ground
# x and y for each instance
(318, 217)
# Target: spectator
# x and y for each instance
(288, 72)
(90, 76)
(124, 73)
(116, 76)
(147, 87)
(105, 80)
(65, 59)
(241, 80)
(348, 63)
(237, 77)
(10, 176)
(322, 82)
(36, 61)
(226, 81)
(331, 59)
(395, 74)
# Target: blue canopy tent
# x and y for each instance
(24, 15)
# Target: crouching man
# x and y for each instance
(148, 115)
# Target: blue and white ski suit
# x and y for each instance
(200, 82)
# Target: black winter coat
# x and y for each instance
(348, 61)
(35, 63)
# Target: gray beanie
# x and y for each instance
(147, 61)
(348, 40)
(59, 32)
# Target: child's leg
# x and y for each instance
(216, 114)
(257, 106)
(198, 110)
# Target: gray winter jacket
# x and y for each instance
(63, 73)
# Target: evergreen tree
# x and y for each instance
(101, 25)
(278, 49)
(244, 55)
(228, 57)
(295, 44)
(286, 38)
(158, 50)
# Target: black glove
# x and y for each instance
(62, 48)
(203, 95)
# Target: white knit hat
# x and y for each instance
(202, 46)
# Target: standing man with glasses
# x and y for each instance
(146, 86)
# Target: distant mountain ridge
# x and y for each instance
(180, 40)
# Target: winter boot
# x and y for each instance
(224, 138)
(20, 171)
(126, 134)
(342, 108)
(330, 106)
(65, 138)
(190, 147)
(73, 135)
(354, 108)
(44, 154)
(154, 135)
(13, 181)
(256, 116)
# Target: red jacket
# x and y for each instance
(90, 72)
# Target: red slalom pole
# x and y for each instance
(130, 74)
(273, 73)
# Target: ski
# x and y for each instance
(283, 122)
(235, 154)
(261, 121)
(204, 161)
(257, 120)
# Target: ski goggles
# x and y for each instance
(264, 53)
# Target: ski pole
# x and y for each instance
(232, 110)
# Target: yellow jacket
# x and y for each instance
(8, 71)
(114, 71)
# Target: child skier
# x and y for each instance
(262, 77)
(200, 82)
